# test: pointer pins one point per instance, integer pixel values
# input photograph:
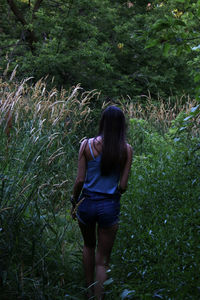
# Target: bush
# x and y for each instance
(157, 248)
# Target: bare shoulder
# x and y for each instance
(97, 139)
(84, 142)
(129, 148)
(83, 145)
(97, 143)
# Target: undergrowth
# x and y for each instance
(156, 254)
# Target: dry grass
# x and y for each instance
(162, 112)
(22, 102)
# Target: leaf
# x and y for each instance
(179, 22)
(109, 281)
(187, 118)
(160, 25)
(196, 77)
(151, 43)
(176, 139)
(187, 48)
(193, 109)
(158, 296)
(126, 293)
(166, 48)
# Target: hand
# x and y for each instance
(73, 209)
(73, 213)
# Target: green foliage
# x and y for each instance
(178, 34)
(99, 44)
(157, 248)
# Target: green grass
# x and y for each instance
(157, 251)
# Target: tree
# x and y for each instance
(100, 44)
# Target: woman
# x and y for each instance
(103, 168)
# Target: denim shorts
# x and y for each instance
(99, 208)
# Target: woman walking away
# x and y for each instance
(103, 169)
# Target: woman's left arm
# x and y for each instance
(80, 178)
(126, 170)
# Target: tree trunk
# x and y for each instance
(30, 35)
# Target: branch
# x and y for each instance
(16, 12)
(30, 34)
(191, 39)
(35, 8)
(8, 46)
(37, 5)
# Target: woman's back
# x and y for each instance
(95, 181)
(96, 147)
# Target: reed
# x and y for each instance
(159, 113)
(40, 132)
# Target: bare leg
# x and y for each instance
(106, 237)
(89, 236)
(89, 264)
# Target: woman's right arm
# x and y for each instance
(127, 167)
(80, 178)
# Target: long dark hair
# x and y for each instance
(112, 128)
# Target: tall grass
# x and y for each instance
(157, 247)
(39, 132)
(160, 113)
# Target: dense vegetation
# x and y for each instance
(118, 47)
(142, 56)
(157, 250)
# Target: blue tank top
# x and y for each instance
(95, 182)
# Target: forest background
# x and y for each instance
(104, 45)
(61, 62)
